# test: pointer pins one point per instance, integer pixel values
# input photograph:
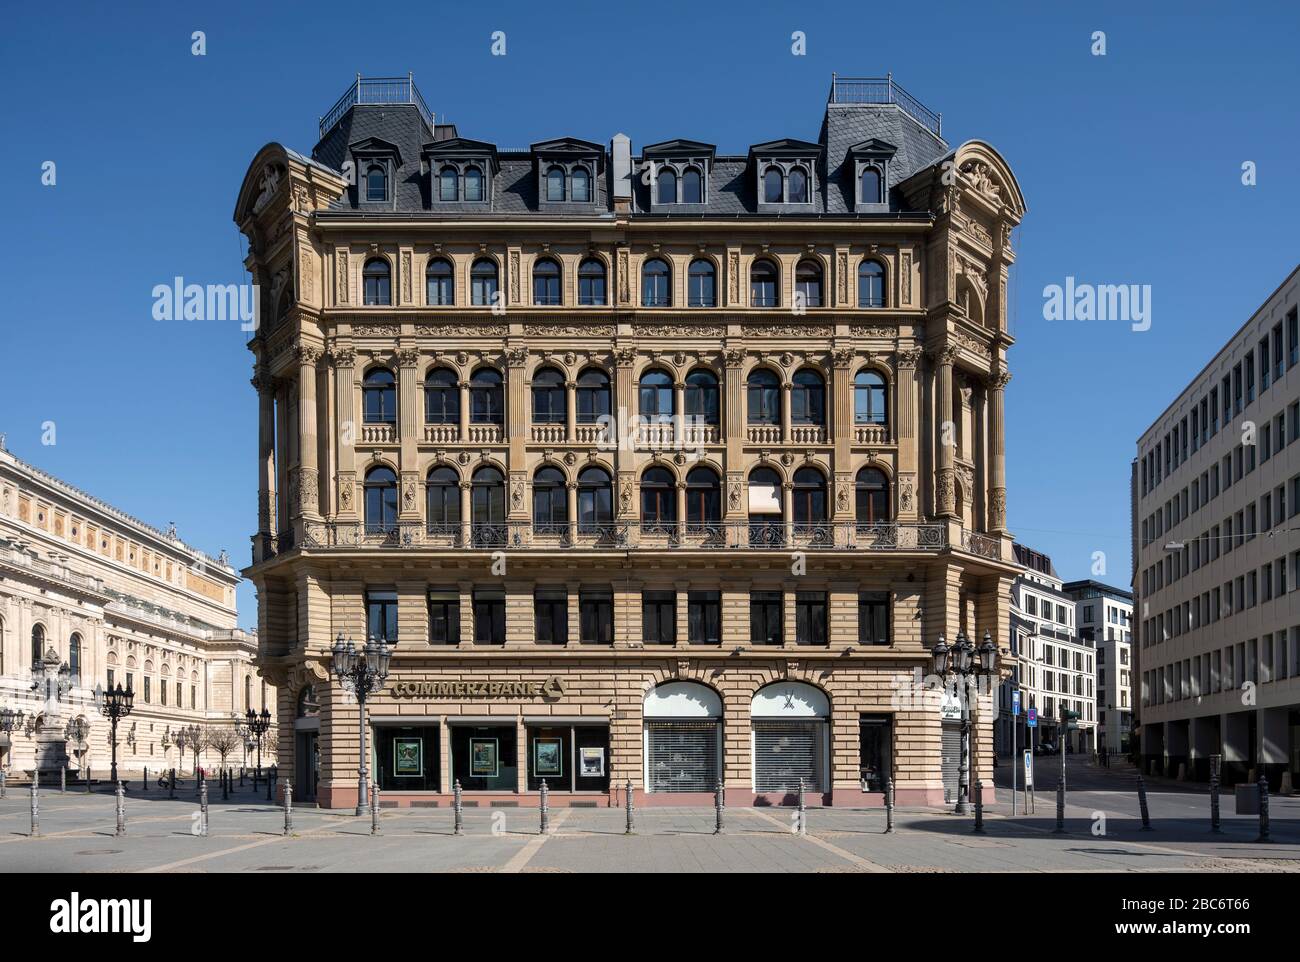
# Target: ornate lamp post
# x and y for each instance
(191, 737)
(78, 731)
(360, 672)
(963, 662)
(9, 720)
(115, 704)
(256, 725)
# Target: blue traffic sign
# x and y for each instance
(1015, 702)
(1032, 718)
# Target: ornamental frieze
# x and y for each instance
(569, 330)
(679, 330)
(789, 330)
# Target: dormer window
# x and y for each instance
(773, 186)
(667, 181)
(692, 187)
(798, 186)
(376, 183)
(555, 184)
(871, 160)
(869, 186)
(580, 185)
(473, 183)
(460, 170)
(448, 183)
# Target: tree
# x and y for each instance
(222, 739)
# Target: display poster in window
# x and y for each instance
(483, 758)
(592, 761)
(548, 756)
(408, 757)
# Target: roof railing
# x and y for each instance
(377, 90)
(883, 90)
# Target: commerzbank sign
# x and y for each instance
(552, 687)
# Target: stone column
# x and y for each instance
(345, 430)
(466, 512)
(571, 411)
(307, 482)
(904, 430)
(408, 422)
(679, 412)
(266, 526)
(464, 410)
(946, 431)
(787, 390)
(997, 384)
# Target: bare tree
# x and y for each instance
(222, 739)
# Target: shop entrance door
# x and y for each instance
(307, 766)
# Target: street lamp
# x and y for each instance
(9, 720)
(115, 704)
(964, 662)
(189, 736)
(256, 725)
(77, 732)
(360, 672)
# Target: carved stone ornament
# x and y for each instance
(998, 509)
(946, 491)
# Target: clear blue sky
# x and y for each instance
(1130, 163)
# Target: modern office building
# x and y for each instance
(1216, 486)
(655, 468)
(1104, 617)
(105, 599)
(1054, 665)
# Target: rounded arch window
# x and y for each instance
(809, 496)
(380, 499)
(763, 284)
(442, 500)
(701, 283)
(592, 396)
(488, 506)
(555, 183)
(655, 280)
(550, 501)
(764, 495)
(667, 185)
(595, 499)
(656, 395)
(773, 186)
(74, 654)
(808, 398)
(580, 184)
(871, 284)
(692, 186)
(448, 183)
(702, 397)
(808, 282)
(438, 283)
(485, 397)
(441, 397)
(379, 397)
(473, 183)
(549, 405)
(703, 497)
(871, 494)
(798, 186)
(870, 399)
(869, 186)
(38, 644)
(546, 282)
(376, 183)
(376, 282)
(763, 397)
(483, 282)
(658, 498)
(591, 282)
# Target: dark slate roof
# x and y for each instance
(732, 187)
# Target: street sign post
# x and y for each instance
(1032, 718)
(1015, 748)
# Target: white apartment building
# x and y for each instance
(1216, 487)
(1104, 615)
(1052, 665)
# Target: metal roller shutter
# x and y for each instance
(683, 756)
(951, 759)
(784, 752)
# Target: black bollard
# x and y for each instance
(241, 776)
(36, 805)
(979, 807)
(120, 830)
(270, 779)
(374, 806)
(458, 815)
(63, 779)
(2, 783)
(889, 807)
(627, 794)
(288, 808)
(1263, 809)
(198, 781)
(801, 815)
(1060, 808)
(1215, 826)
(225, 785)
(545, 806)
(717, 809)
(1142, 804)
(87, 770)
(144, 785)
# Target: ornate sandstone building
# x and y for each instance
(655, 468)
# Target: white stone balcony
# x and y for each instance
(485, 433)
(442, 433)
(378, 433)
(870, 434)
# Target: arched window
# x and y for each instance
(381, 500)
(798, 186)
(869, 399)
(871, 284)
(692, 192)
(808, 282)
(376, 285)
(448, 183)
(656, 395)
(580, 184)
(555, 183)
(548, 397)
(700, 284)
(773, 186)
(763, 394)
(762, 284)
(703, 497)
(702, 396)
(38, 644)
(869, 186)
(658, 499)
(595, 499)
(655, 278)
(379, 397)
(550, 502)
(808, 398)
(809, 497)
(74, 655)
(546, 282)
(376, 183)
(488, 506)
(442, 501)
(439, 287)
(441, 397)
(871, 491)
(483, 282)
(591, 282)
(592, 396)
(485, 403)
(667, 183)
(473, 183)
(766, 512)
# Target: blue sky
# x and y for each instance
(1130, 163)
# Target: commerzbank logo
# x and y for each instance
(77, 916)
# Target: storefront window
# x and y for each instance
(485, 759)
(875, 756)
(406, 758)
(791, 728)
(571, 758)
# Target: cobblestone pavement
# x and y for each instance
(77, 834)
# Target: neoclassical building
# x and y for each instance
(655, 468)
(117, 601)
